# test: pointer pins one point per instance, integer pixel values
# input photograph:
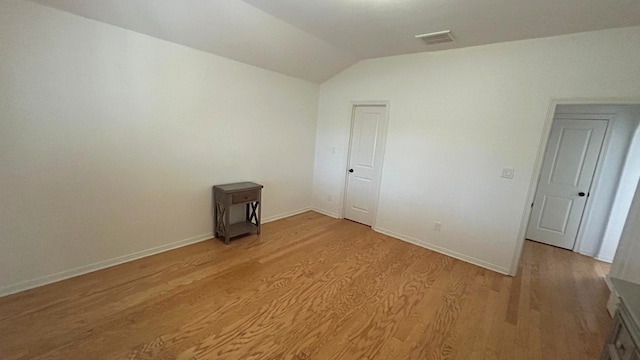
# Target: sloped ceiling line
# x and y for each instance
(314, 40)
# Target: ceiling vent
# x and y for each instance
(434, 38)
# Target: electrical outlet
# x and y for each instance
(437, 226)
(507, 173)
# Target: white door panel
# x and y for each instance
(365, 163)
(361, 188)
(567, 171)
(366, 127)
(570, 156)
(555, 214)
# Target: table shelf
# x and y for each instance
(242, 228)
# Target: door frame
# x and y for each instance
(537, 168)
(347, 155)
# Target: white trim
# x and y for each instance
(286, 215)
(325, 212)
(383, 146)
(607, 259)
(596, 255)
(441, 250)
(586, 253)
(533, 186)
(66, 274)
(542, 146)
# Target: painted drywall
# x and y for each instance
(626, 263)
(624, 196)
(111, 140)
(605, 205)
(456, 119)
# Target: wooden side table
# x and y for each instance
(224, 196)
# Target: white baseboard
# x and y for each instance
(595, 256)
(606, 259)
(585, 253)
(286, 215)
(66, 274)
(439, 249)
(325, 212)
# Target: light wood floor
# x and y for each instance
(312, 287)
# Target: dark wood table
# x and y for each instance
(248, 194)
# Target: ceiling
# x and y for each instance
(315, 40)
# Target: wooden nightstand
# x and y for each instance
(224, 196)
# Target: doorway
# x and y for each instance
(570, 160)
(581, 194)
(364, 165)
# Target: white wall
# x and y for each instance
(626, 264)
(111, 140)
(456, 118)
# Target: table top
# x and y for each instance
(630, 295)
(240, 186)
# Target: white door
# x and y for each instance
(368, 129)
(567, 171)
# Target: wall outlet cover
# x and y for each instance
(507, 173)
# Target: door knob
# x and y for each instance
(581, 194)
(350, 170)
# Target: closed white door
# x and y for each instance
(368, 130)
(567, 171)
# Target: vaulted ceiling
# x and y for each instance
(315, 40)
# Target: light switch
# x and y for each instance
(507, 173)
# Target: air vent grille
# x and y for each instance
(434, 38)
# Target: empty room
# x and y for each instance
(340, 179)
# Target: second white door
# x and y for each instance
(567, 171)
(368, 130)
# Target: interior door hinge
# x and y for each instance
(531, 204)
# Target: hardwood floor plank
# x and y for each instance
(471, 316)
(534, 344)
(313, 287)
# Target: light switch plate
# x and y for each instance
(508, 173)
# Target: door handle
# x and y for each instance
(581, 194)
(350, 170)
